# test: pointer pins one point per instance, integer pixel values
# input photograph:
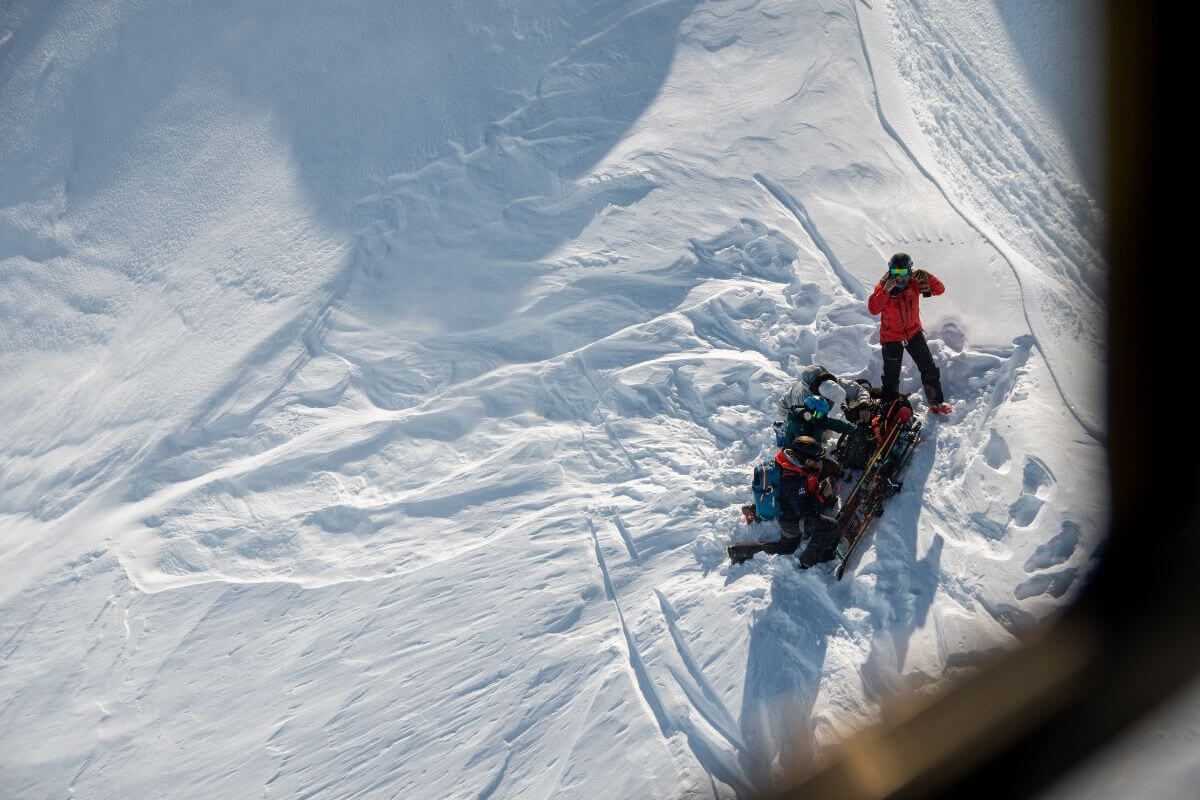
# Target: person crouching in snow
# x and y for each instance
(873, 420)
(812, 419)
(810, 403)
(897, 299)
(807, 500)
(816, 380)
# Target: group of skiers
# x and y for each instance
(806, 498)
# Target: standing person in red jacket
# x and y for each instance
(897, 297)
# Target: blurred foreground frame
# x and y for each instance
(1129, 643)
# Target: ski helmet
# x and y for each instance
(817, 406)
(807, 447)
(900, 264)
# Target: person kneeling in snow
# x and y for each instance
(897, 300)
(873, 420)
(805, 495)
(816, 380)
(812, 419)
(807, 405)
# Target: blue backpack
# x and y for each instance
(765, 486)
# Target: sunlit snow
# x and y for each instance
(381, 384)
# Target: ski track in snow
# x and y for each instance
(852, 286)
(466, 514)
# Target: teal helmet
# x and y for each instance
(817, 406)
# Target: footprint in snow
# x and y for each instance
(1036, 486)
(1056, 551)
(1054, 584)
(996, 453)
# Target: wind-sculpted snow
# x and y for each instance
(444, 514)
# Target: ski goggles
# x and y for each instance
(899, 270)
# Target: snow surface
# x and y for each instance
(1154, 758)
(381, 387)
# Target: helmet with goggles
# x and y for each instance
(900, 264)
(815, 407)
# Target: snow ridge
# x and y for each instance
(796, 208)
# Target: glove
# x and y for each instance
(922, 278)
(825, 499)
(889, 286)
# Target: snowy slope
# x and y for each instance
(383, 389)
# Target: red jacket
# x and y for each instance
(812, 481)
(901, 318)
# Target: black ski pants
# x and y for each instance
(788, 542)
(918, 348)
(822, 544)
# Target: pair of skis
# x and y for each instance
(880, 479)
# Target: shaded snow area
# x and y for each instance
(380, 389)
(1154, 758)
